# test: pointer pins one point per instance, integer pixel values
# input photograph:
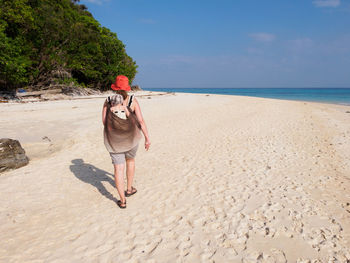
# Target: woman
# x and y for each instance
(121, 136)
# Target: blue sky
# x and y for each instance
(232, 43)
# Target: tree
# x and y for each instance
(41, 37)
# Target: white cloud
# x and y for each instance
(326, 3)
(263, 37)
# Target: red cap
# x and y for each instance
(121, 83)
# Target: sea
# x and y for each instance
(325, 95)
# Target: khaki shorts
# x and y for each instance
(119, 158)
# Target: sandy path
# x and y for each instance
(228, 179)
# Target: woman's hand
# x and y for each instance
(147, 144)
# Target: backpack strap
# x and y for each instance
(130, 100)
(108, 102)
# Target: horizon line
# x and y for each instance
(148, 87)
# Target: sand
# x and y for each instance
(227, 179)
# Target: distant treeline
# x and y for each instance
(46, 42)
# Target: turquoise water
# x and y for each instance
(328, 95)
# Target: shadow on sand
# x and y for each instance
(94, 176)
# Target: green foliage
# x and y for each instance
(39, 37)
(68, 81)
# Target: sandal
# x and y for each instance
(121, 204)
(133, 191)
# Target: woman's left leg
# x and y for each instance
(119, 180)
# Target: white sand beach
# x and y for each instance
(227, 179)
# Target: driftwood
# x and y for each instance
(39, 93)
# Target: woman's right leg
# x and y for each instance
(119, 180)
(130, 169)
(130, 172)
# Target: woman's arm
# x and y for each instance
(142, 123)
(104, 110)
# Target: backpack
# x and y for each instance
(116, 101)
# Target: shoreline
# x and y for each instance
(149, 92)
(281, 98)
(228, 178)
